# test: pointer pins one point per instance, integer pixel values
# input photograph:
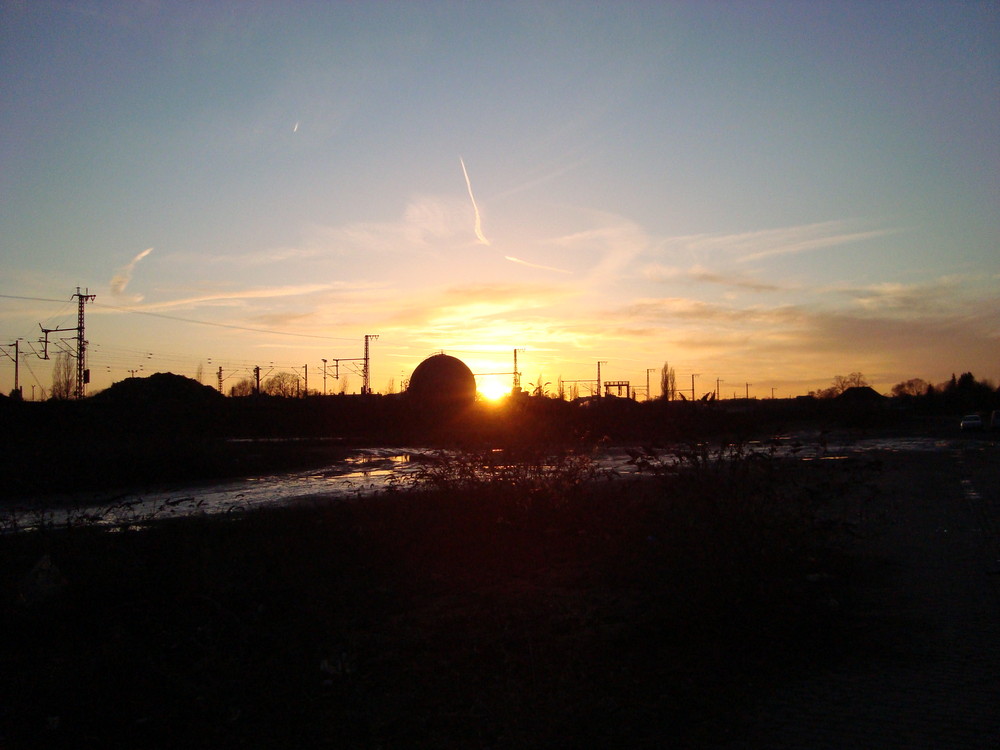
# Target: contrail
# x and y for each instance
(124, 276)
(512, 259)
(479, 223)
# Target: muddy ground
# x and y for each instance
(727, 608)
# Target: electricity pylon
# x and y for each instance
(366, 373)
(82, 373)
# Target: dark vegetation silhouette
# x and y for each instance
(167, 427)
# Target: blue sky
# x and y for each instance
(764, 193)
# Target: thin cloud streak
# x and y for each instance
(766, 243)
(661, 274)
(512, 259)
(479, 223)
(548, 177)
(120, 281)
(817, 243)
(239, 296)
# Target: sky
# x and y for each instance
(762, 194)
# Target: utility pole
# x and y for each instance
(718, 393)
(599, 363)
(17, 360)
(748, 390)
(306, 377)
(693, 376)
(366, 374)
(648, 370)
(220, 378)
(256, 380)
(17, 365)
(82, 373)
(772, 393)
(324, 377)
(517, 375)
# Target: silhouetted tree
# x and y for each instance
(830, 392)
(285, 384)
(842, 382)
(241, 388)
(912, 387)
(948, 386)
(540, 388)
(968, 394)
(63, 377)
(668, 383)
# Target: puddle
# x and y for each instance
(369, 471)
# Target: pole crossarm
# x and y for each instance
(82, 373)
(589, 382)
(45, 341)
(618, 385)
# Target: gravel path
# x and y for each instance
(933, 605)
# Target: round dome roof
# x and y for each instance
(442, 379)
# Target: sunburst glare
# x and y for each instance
(493, 389)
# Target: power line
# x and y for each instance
(187, 320)
(223, 325)
(31, 299)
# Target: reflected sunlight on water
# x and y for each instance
(365, 473)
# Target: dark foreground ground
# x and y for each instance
(927, 590)
(741, 604)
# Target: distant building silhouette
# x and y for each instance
(444, 381)
(861, 396)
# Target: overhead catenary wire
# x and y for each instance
(119, 359)
(231, 326)
(195, 321)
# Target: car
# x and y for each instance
(972, 422)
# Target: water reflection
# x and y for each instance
(367, 472)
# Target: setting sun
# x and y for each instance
(492, 389)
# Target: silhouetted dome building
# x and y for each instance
(442, 380)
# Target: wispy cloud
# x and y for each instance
(479, 223)
(943, 296)
(660, 273)
(429, 225)
(120, 281)
(470, 304)
(607, 249)
(240, 296)
(766, 243)
(512, 259)
(534, 182)
(816, 243)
